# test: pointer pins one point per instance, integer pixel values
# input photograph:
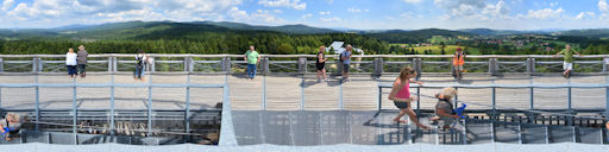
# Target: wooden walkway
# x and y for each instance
(286, 92)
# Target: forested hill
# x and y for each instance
(171, 37)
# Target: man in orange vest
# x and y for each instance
(458, 61)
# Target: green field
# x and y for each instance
(435, 49)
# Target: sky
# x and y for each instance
(351, 14)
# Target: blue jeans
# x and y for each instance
(251, 70)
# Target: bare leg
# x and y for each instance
(323, 72)
(413, 117)
(400, 115)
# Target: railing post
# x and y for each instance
(149, 132)
(302, 65)
(187, 64)
(226, 66)
(112, 131)
(1, 65)
(110, 64)
(74, 111)
(531, 66)
(191, 64)
(379, 104)
(35, 64)
(417, 66)
(37, 104)
(187, 108)
(605, 64)
(492, 66)
(339, 66)
(265, 66)
(114, 64)
(378, 66)
(153, 66)
(607, 102)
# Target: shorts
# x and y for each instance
(458, 67)
(320, 66)
(401, 104)
(346, 68)
(567, 66)
(82, 68)
(72, 69)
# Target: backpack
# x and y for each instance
(340, 57)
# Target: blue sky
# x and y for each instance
(353, 14)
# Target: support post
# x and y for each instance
(191, 64)
(226, 65)
(302, 65)
(417, 64)
(378, 66)
(265, 66)
(110, 64)
(187, 108)
(1, 65)
(35, 61)
(37, 108)
(531, 66)
(149, 106)
(379, 101)
(605, 64)
(492, 66)
(114, 64)
(153, 66)
(187, 64)
(112, 131)
(74, 111)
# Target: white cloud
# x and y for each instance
(553, 4)
(413, 1)
(7, 4)
(295, 4)
(278, 11)
(259, 17)
(603, 7)
(582, 15)
(330, 19)
(357, 10)
(306, 16)
(42, 13)
(324, 13)
(545, 13)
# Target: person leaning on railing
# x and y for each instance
(82, 60)
(568, 56)
(71, 63)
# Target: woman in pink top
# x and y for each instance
(400, 94)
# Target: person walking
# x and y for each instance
(140, 65)
(252, 58)
(320, 64)
(81, 59)
(346, 60)
(71, 63)
(400, 94)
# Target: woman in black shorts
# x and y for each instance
(320, 64)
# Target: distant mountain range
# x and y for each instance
(163, 29)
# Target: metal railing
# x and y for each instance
(112, 110)
(303, 64)
(493, 87)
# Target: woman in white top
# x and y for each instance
(71, 62)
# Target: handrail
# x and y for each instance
(511, 86)
(296, 55)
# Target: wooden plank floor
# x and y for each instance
(285, 92)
